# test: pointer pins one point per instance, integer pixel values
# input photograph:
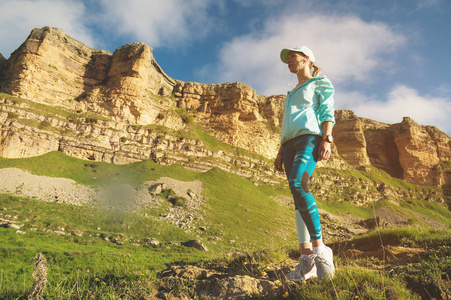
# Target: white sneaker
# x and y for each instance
(325, 264)
(304, 270)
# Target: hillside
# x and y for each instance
(144, 229)
(130, 182)
(119, 103)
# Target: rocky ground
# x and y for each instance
(63, 190)
(240, 280)
(115, 196)
(247, 277)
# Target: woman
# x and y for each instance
(306, 138)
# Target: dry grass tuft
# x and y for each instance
(40, 277)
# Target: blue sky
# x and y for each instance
(386, 59)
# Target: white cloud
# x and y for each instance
(19, 17)
(346, 48)
(402, 101)
(158, 23)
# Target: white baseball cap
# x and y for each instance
(303, 49)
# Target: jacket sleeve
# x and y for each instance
(325, 93)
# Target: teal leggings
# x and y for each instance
(300, 156)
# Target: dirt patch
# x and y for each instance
(192, 190)
(390, 218)
(394, 254)
(185, 215)
(433, 223)
(21, 183)
(119, 196)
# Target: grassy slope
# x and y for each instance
(248, 216)
(235, 210)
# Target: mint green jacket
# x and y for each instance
(307, 107)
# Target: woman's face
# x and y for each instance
(296, 61)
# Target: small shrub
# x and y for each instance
(172, 197)
(177, 201)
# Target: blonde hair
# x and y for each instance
(316, 69)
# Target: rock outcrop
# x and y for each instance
(235, 114)
(111, 107)
(421, 151)
(350, 139)
(52, 68)
(212, 285)
(27, 131)
(417, 154)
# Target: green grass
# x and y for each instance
(347, 209)
(354, 282)
(71, 256)
(234, 210)
(433, 210)
(238, 215)
(430, 278)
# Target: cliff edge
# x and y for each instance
(131, 91)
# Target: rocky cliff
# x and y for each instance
(417, 154)
(122, 107)
(234, 113)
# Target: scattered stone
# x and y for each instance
(152, 241)
(59, 232)
(214, 285)
(20, 232)
(156, 189)
(237, 287)
(195, 244)
(203, 228)
(3, 208)
(13, 226)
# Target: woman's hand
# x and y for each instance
(324, 150)
(278, 162)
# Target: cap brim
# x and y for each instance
(284, 54)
